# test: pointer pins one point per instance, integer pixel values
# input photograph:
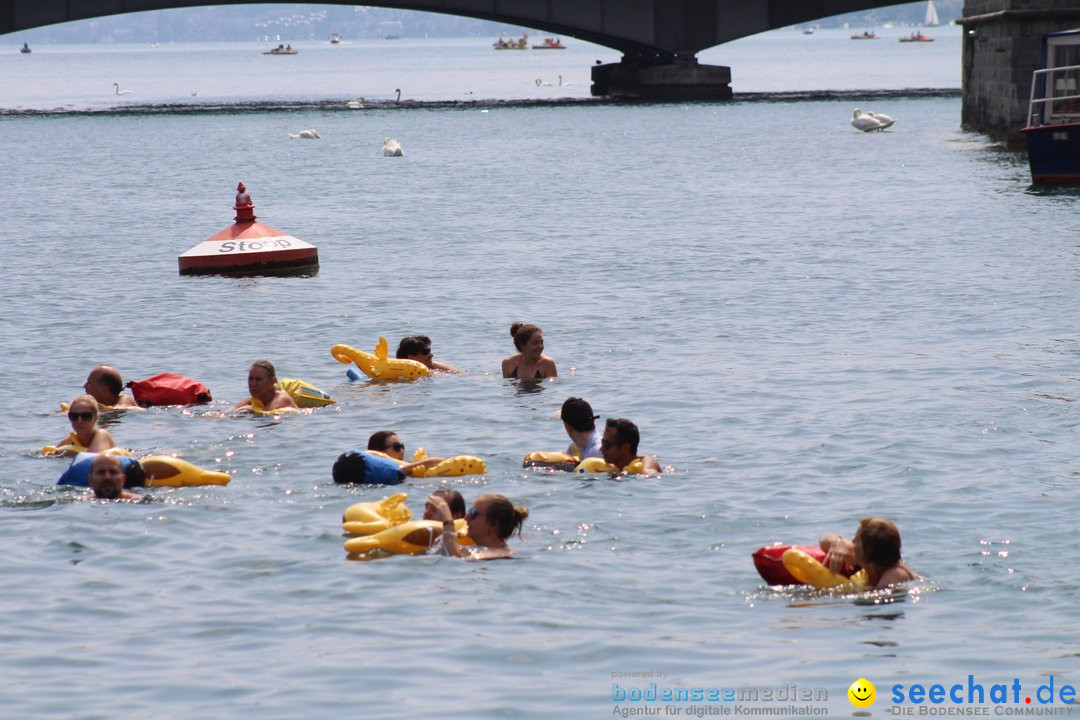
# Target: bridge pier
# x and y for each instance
(664, 77)
(1002, 47)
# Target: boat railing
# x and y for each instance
(1054, 98)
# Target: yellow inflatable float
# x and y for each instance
(168, 471)
(554, 460)
(387, 525)
(73, 447)
(450, 467)
(305, 394)
(380, 366)
(809, 571)
(256, 408)
(64, 406)
(594, 465)
(409, 538)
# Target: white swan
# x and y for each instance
(391, 148)
(567, 83)
(305, 135)
(122, 92)
(398, 98)
(882, 118)
(864, 122)
(542, 83)
(357, 104)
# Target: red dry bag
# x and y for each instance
(169, 389)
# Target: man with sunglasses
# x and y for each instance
(418, 348)
(106, 386)
(619, 446)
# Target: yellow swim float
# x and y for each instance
(380, 366)
(73, 447)
(256, 408)
(809, 571)
(168, 471)
(408, 538)
(595, 465)
(455, 466)
(368, 518)
(554, 460)
(304, 393)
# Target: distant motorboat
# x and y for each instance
(25, 49)
(550, 44)
(281, 50)
(866, 35)
(335, 38)
(916, 37)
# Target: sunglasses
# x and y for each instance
(474, 513)
(608, 444)
(73, 416)
(399, 447)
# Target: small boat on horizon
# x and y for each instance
(1053, 122)
(522, 43)
(25, 49)
(550, 44)
(335, 39)
(281, 50)
(916, 37)
(865, 35)
(931, 19)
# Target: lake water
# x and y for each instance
(809, 325)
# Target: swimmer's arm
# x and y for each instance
(443, 367)
(650, 465)
(839, 552)
(126, 401)
(547, 367)
(242, 405)
(438, 508)
(102, 440)
(425, 463)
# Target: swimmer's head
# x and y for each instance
(104, 384)
(349, 468)
(578, 414)
(523, 333)
(453, 499)
(877, 542)
(107, 477)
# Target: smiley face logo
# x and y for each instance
(862, 693)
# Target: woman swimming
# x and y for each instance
(530, 361)
(492, 520)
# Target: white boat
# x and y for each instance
(931, 19)
(335, 39)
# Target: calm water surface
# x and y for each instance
(808, 323)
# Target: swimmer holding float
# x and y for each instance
(491, 521)
(875, 547)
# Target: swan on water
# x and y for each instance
(398, 98)
(305, 135)
(122, 92)
(357, 104)
(568, 82)
(882, 118)
(864, 122)
(391, 148)
(542, 83)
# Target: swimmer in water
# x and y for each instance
(106, 386)
(262, 384)
(492, 520)
(619, 446)
(875, 548)
(454, 501)
(418, 348)
(530, 362)
(83, 416)
(580, 425)
(107, 479)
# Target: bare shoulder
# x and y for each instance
(651, 465)
(897, 574)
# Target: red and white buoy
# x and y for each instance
(249, 247)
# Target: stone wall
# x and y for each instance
(1002, 47)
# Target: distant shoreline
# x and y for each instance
(265, 106)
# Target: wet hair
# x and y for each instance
(506, 516)
(880, 541)
(454, 500)
(521, 332)
(88, 398)
(379, 441)
(349, 468)
(412, 345)
(625, 432)
(267, 366)
(110, 378)
(578, 414)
